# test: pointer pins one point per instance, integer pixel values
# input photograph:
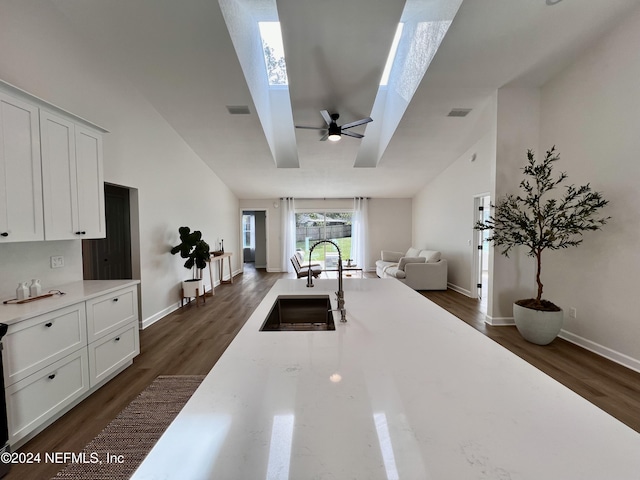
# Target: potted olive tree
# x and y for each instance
(196, 251)
(542, 222)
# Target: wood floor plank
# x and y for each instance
(190, 340)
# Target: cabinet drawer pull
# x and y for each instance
(5, 234)
(117, 339)
(48, 325)
(52, 376)
(115, 299)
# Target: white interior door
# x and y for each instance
(483, 211)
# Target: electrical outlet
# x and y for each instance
(57, 261)
(573, 313)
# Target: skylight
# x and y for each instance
(273, 51)
(392, 55)
(418, 36)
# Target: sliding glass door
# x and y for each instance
(313, 226)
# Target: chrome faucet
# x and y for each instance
(340, 292)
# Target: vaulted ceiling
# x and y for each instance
(182, 57)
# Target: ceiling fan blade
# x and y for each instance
(326, 116)
(311, 128)
(324, 137)
(352, 134)
(357, 122)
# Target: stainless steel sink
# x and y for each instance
(299, 313)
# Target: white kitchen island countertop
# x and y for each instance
(403, 390)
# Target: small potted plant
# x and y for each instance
(196, 251)
(555, 223)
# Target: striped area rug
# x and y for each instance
(135, 430)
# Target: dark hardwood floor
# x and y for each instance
(190, 340)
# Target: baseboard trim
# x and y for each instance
(606, 352)
(458, 289)
(147, 322)
(172, 308)
(499, 321)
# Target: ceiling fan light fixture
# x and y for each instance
(334, 132)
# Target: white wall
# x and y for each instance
(389, 226)
(518, 121)
(21, 262)
(590, 112)
(444, 215)
(41, 54)
(443, 211)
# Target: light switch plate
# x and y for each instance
(57, 261)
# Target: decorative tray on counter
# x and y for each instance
(33, 299)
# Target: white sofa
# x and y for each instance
(419, 269)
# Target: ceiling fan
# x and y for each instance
(335, 131)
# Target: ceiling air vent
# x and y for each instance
(459, 112)
(238, 109)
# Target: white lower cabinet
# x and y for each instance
(32, 401)
(36, 343)
(50, 362)
(111, 352)
(110, 312)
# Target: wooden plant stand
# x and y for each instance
(182, 297)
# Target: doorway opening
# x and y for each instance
(116, 256)
(482, 209)
(254, 238)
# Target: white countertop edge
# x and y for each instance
(75, 292)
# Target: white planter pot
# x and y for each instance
(189, 288)
(536, 326)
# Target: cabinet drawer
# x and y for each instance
(30, 402)
(108, 313)
(112, 352)
(32, 344)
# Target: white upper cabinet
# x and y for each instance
(51, 183)
(21, 216)
(91, 213)
(59, 177)
(72, 179)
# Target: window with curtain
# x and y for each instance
(360, 234)
(288, 233)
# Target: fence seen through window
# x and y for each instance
(334, 226)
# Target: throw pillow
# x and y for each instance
(412, 252)
(432, 256)
(405, 260)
